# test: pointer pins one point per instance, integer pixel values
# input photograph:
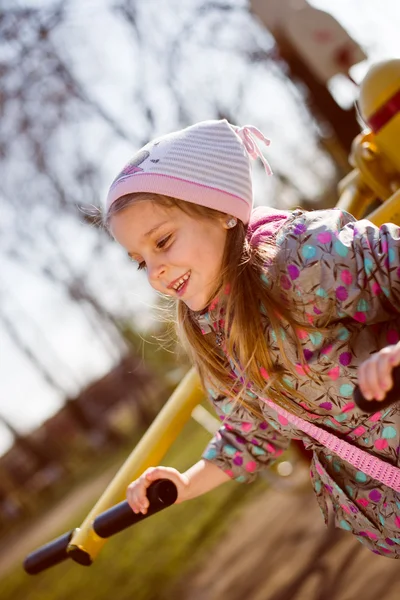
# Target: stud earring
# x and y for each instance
(230, 223)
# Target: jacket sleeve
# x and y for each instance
(244, 444)
(328, 261)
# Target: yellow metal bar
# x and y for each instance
(355, 195)
(388, 212)
(85, 543)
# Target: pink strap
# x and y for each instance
(361, 460)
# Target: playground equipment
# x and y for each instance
(374, 180)
(161, 494)
(375, 152)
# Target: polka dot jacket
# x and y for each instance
(329, 264)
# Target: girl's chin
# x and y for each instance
(195, 304)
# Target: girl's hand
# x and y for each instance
(375, 374)
(136, 492)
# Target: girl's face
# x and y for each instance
(182, 254)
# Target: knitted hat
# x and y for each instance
(207, 164)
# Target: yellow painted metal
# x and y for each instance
(375, 154)
(388, 212)
(355, 195)
(149, 452)
(379, 85)
(377, 90)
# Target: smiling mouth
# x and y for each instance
(178, 284)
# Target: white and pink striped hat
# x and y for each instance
(207, 164)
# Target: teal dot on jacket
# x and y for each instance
(316, 338)
(395, 540)
(345, 525)
(361, 477)
(389, 432)
(288, 381)
(227, 408)
(368, 266)
(241, 479)
(340, 248)
(391, 255)
(317, 486)
(210, 453)
(258, 451)
(282, 334)
(346, 390)
(230, 450)
(341, 417)
(343, 334)
(349, 490)
(308, 251)
(321, 293)
(362, 306)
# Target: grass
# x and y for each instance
(146, 561)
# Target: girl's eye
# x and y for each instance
(160, 244)
(140, 263)
(163, 242)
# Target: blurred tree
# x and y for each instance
(50, 119)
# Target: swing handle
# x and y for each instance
(161, 494)
(373, 406)
(48, 555)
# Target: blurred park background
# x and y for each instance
(87, 350)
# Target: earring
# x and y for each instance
(232, 222)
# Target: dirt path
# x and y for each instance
(14, 549)
(280, 549)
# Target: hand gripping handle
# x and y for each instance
(161, 494)
(373, 406)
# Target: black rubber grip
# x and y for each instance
(161, 493)
(372, 406)
(48, 555)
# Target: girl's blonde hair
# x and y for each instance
(247, 309)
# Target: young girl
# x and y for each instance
(279, 311)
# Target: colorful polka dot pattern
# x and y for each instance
(327, 261)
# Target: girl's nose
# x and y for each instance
(155, 271)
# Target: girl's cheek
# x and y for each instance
(170, 255)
